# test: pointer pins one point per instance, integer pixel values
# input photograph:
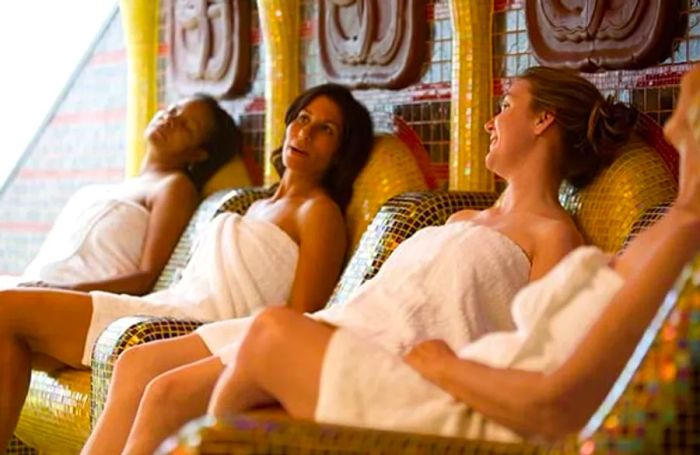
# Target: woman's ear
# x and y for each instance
(543, 120)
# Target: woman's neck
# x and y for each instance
(532, 189)
(293, 184)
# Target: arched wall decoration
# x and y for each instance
(280, 25)
(209, 46)
(471, 95)
(589, 35)
(372, 43)
(140, 22)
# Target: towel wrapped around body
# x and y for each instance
(239, 266)
(99, 234)
(454, 282)
(364, 384)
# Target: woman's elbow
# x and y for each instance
(561, 413)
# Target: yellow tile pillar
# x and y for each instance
(140, 24)
(280, 25)
(471, 94)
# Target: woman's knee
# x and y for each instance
(165, 390)
(135, 366)
(270, 327)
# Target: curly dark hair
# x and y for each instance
(222, 144)
(355, 142)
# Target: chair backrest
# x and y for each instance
(653, 406)
(392, 169)
(642, 179)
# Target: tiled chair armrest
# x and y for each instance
(651, 409)
(399, 218)
(122, 334)
(131, 331)
(251, 433)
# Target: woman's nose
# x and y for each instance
(305, 132)
(488, 126)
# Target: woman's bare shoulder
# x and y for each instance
(462, 215)
(557, 230)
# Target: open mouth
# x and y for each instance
(295, 150)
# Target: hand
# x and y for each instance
(430, 358)
(683, 131)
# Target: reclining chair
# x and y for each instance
(60, 409)
(652, 407)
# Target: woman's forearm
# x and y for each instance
(136, 283)
(653, 263)
(551, 405)
(518, 399)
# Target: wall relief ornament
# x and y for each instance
(209, 46)
(589, 35)
(372, 43)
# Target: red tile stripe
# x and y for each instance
(24, 226)
(54, 174)
(111, 115)
(119, 55)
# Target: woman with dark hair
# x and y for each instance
(454, 282)
(118, 237)
(575, 330)
(289, 247)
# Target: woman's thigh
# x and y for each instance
(52, 323)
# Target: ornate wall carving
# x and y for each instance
(601, 34)
(372, 43)
(209, 46)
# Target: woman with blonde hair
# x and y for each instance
(454, 282)
(575, 330)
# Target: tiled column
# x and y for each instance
(140, 22)
(279, 21)
(471, 94)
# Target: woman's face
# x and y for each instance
(313, 137)
(180, 130)
(512, 130)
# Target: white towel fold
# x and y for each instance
(362, 384)
(239, 267)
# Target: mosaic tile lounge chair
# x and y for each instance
(656, 411)
(59, 409)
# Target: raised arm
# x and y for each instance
(554, 404)
(322, 244)
(551, 405)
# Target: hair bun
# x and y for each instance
(609, 125)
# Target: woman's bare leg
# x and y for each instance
(133, 371)
(281, 357)
(170, 400)
(36, 324)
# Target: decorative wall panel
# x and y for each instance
(372, 43)
(589, 35)
(209, 46)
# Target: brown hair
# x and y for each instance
(591, 126)
(355, 143)
(222, 143)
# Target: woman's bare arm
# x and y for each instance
(322, 244)
(551, 405)
(170, 210)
